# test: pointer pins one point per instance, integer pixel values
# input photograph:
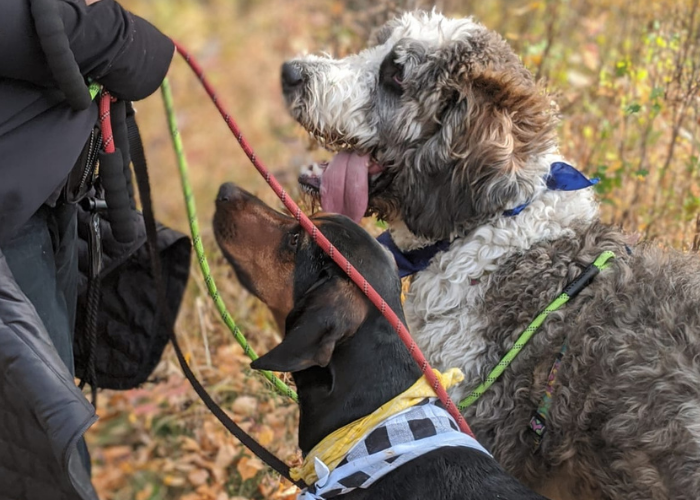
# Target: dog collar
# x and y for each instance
(401, 438)
(561, 177)
(331, 450)
(412, 261)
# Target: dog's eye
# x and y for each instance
(391, 74)
(293, 240)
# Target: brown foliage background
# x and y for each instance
(626, 77)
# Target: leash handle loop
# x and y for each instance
(114, 170)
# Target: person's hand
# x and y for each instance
(90, 2)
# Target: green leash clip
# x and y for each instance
(94, 88)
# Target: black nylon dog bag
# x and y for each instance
(129, 343)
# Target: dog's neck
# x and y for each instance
(547, 217)
(366, 371)
(547, 213)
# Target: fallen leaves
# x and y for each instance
(245, 405)
(198, 477)
(159, 442)
(249, 467)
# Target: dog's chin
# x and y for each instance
(310, 180)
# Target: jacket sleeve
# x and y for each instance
(126, 54)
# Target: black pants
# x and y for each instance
(43, 257)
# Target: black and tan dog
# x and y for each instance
(345, 358)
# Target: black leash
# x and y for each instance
(138, 159)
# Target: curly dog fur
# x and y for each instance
(453, 131)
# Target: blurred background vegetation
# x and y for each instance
(626, 77)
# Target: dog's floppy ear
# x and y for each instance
(328, 313)
(510, 120)
(478, 164)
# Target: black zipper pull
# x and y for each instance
(95, 245)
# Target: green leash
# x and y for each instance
(199, 248)
(569, 292)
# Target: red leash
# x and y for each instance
(105, 122)
(327, 247)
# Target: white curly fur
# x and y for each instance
(440, 305)
(343, 88)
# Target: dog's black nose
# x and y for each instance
(292, 77)
(228, 192)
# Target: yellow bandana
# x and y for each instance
(336, 445)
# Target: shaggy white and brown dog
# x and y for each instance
(441, 131)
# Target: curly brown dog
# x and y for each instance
(440, 130)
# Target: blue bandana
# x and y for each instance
(561, 177)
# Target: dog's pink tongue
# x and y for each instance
(344, 185)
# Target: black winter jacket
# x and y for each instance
(41, 138)
(40, 135)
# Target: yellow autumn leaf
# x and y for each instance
(249, 467)
(173, 481)
(145, 493)
(285, 492)
(265, 435)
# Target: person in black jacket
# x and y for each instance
(42, 414)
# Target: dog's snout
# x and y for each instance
(228, 192)
(292, 77)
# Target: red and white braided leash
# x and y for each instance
(327, 247)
